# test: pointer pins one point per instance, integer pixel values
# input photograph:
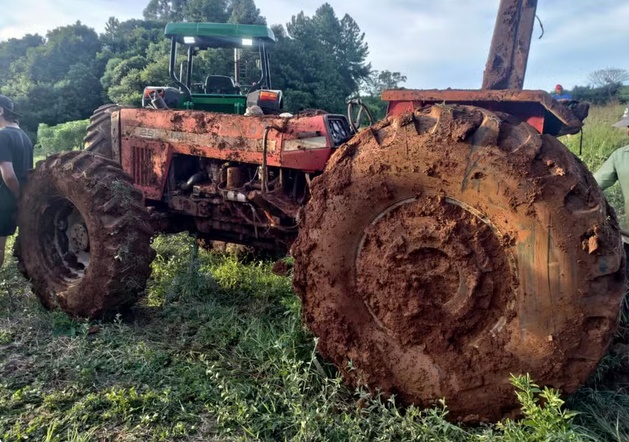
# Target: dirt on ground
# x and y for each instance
(446, 249)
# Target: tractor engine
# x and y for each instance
(224, 201)
(232, 178)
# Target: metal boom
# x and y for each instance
(509, 52)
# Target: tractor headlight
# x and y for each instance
(269, 101)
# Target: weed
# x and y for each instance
(122, 192)
(604, 414)
(543, 415)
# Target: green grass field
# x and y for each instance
(216, 352)
(599, 140)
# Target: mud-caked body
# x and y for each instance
(228, 177)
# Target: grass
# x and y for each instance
(599, 137)
(599, 140)
(216, 352)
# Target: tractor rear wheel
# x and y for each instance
(445, 249)
(84, 235)
(99, 139)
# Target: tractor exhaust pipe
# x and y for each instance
(509, 52)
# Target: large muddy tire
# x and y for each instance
(445, 249)
(99, 139)
(84, 235)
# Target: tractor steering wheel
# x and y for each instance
(357, 107)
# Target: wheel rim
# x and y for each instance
(65, 240)
(450, 268)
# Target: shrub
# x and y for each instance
(62, 137)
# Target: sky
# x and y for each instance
(435, 43)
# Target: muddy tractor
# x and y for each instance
(436, 252)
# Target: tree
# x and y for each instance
(373, 86)
(206, 11)
(130, 48)
(111, 37)
(219, 11)
(609, 79)
(123, 79)
(319, 61)
(381, 80)
(79, 92)
(244, 12)
(168, 10)
(354, 52)
(62, 137)
(131, 37)
(14, 49)
(596, 95)
(56, 80)
(65, 46)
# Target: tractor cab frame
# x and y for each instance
(220, 93)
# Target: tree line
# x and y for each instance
(319, 61)
(605, 86)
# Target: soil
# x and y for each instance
(446, 249)
(281, 268)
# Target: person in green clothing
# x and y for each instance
(616, 168)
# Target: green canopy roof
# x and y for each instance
(219, 35)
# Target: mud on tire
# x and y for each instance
(445, 249)
(84, 235)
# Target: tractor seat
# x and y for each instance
(220, 84)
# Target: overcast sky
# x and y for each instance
(435, 43)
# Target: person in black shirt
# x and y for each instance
(16, 158)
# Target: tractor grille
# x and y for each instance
(339, 130)
(142, 166)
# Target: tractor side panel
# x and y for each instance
(149, 139)
(306, 144)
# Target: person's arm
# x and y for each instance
(9, 177)
(606, 175)
(7, 173)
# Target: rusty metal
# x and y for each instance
(234, 177)
(537, 108)
(276, 203)
(115, 137)
(150, 138)
(508, 55)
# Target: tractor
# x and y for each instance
(437, 251)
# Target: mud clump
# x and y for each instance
(281, 268)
